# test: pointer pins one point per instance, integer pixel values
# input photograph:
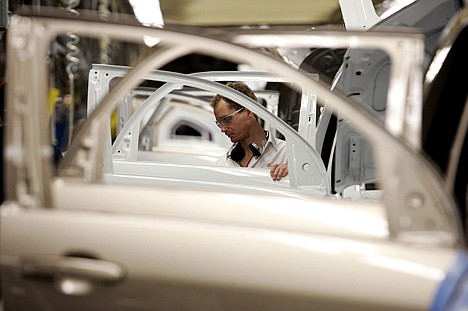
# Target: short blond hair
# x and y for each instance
(238, 86)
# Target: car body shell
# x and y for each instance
(80, 239)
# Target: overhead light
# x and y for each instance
(148, 12)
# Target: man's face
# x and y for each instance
(230, 121)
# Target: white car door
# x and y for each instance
(75, 241)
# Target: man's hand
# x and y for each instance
(278, 171)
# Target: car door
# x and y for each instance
(71, 240)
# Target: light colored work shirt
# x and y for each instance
(274, 152)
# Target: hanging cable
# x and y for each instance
(105, 44)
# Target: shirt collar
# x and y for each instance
(270, 140)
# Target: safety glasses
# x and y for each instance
(226, 120)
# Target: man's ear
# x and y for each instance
(250, 113)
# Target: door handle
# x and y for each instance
(72, 275)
